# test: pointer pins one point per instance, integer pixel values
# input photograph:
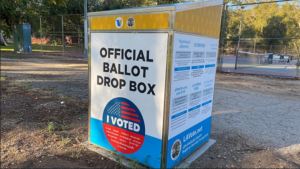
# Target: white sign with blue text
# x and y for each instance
(127, 94)
(193, 75)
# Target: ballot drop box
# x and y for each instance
(151, 80)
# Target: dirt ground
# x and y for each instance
(44, 118)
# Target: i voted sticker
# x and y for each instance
(123, 125)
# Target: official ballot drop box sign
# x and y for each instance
(151, 80)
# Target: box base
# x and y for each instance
(127, 162)
(192, 157)
(113, 156)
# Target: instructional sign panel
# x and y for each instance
(126, 67)
(193, 75)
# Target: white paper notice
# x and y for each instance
(193, 74)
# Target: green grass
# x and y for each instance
(10, 47)
(64, 126)
(3, 78)
(50, 127)
(26, 85)
(13, 57)
(64, 141)
(46, 48)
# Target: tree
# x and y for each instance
(257, 20)
(13, 12)
(276, 28)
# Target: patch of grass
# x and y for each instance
(119, 161)
(146, 159)
(61, 95)
(50, 127)
(64, 141)
(46, 140)
(14, 57)
(78, 154)
(112, 152)
(72, 155)
(64, 126)
(46, 48)
(75, 154)
(3, 78)
(5, 95)
(26, 85)
(134, 164)
(8, 48)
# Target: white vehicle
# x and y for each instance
(280, 58)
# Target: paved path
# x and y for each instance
(268, 121)
(246, 65)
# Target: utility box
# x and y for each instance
(22, 38)
(151, 80)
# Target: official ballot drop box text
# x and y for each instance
(151, 80)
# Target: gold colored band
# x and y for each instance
(145, 21)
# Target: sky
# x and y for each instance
(249, 6)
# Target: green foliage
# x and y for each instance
(37, 47)
(64, 126)
(5, 29)
(29, 11)
(269, 20)
(275, 28)
(15, 12)
(75, 155)
(50, 127)
(160, 2)
(259, 21)
(25, 85)
(10, 47)
(3, 78)
(64, 141)
(134, 164)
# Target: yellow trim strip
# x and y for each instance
(145, 21)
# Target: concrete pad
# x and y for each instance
(192, 157)
(113, 156)
(131, 164)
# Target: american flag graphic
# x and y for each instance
(125, 137)
(125, 111)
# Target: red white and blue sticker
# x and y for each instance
(176, 149)
(123, 125)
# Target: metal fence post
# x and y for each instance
(41, 29)
(237, 51)
(254, 44)
(85, 30)
(223, 37)
(298, 61)
(298, 64)
(62, 34)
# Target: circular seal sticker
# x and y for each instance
(176, 149)
(130, 22)
(123, 125)
(119, 22)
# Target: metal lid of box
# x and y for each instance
(201, 18)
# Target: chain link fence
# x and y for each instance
(275, 60)
(231, 46)
(59, 35)
(272, 55)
